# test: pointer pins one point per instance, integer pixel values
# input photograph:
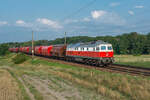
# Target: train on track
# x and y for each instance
(97, 53)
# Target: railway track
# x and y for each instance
(114, 68)
(130, 69)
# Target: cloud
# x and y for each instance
(50, 23)
(3, 23)
(114, 4)
(98, 13)
(106, 17)
(98, 17)
(131, 12)
(40, 24)
(22, 23)
(139, 6)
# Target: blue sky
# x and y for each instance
(49, 19)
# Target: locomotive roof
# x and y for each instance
(87, 44)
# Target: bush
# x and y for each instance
(20, 58)
(3, 49)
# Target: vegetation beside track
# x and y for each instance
(78, 81)
(139, 60)
(19, 58)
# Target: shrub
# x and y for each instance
(19, 58)
(3, 49)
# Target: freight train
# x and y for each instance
(97, 53)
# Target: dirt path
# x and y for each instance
(43, 88)
(56, 89)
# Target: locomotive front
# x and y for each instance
(105, 53)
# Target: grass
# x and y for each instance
(113, 86)
(21, 87)
(9, 89)
(33, 90)
(139, 61)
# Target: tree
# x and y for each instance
(3, 49)
(147, 45)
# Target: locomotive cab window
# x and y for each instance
(82, 49)
(109, 47)
(87, 49)
(103, 47)
(97, 48)
(76, 48)
(93, 49)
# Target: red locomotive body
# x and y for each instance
(90, 54)
(46, 50)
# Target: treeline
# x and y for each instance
(129, 43)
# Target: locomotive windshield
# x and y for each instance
(109, 47)
(103, 47)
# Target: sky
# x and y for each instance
(49, 19)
